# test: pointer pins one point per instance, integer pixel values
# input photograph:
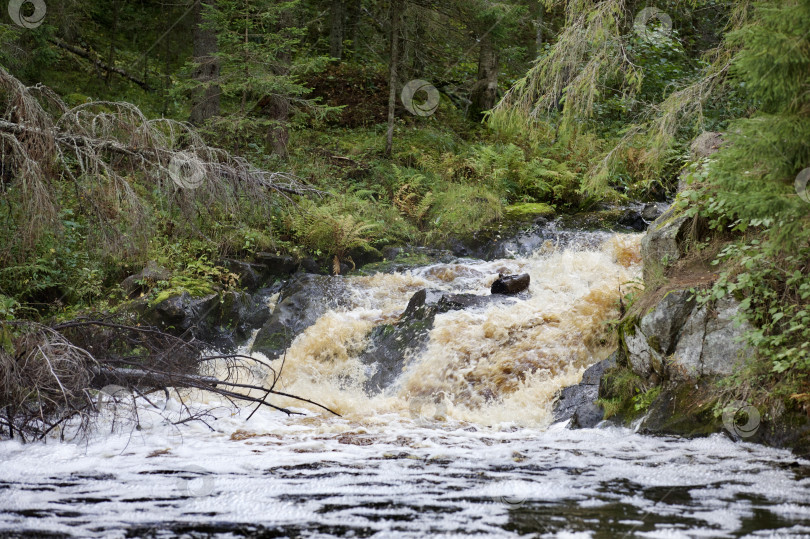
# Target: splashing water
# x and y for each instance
(457, 445)
(491, 365)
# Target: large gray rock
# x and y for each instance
(711, 342)
(706, 144)
(723, 348)
(683, 340)
(662, 324)
(686, 360)
(643, 359)
(661, 245)
(305, 299)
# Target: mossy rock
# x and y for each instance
(528, 211)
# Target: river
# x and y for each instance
(460, 443)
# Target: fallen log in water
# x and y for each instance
(510, 284)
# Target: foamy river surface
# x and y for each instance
(460, 444)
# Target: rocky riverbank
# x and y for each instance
(675, 371)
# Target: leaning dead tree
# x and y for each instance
(52, 378)
(114, 157)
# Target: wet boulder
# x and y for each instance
(280, 265)
(460, 302)
(390, 344)
(510, 284)
(302, 301)
(577, 403)
(223, 320)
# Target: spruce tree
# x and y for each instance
(755, 172)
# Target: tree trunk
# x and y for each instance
(337, 33)
(352, 22)
(541, 12)
(277, 107)
(484, 93)
(205, 100)
(113, 33)
(396, 17)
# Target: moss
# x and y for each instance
(537, 209)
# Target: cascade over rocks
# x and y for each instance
(391, 344)
(302, 301)
(672, 354)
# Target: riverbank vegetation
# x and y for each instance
(192, 132)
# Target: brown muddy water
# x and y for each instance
(459, 444)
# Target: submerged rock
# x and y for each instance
(390, 345)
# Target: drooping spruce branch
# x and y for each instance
(105, 150)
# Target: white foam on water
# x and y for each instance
(488, 465)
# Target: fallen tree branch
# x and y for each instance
(99, 64)
(50, 378)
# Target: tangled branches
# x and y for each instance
(50, 377)
(116, 159)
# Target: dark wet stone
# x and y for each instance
(587, 416)
(303, 300)
(510, 284)
(577, 402)
(634, 220)
(390, 344)
(251, 276)
(310, 265)
(280, 265)
(223, 320)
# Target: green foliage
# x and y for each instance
(260, 69)
(461, 210)
(749, 188)
(193, 270)
(642, 401)
(505, 169)
(328, 231)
